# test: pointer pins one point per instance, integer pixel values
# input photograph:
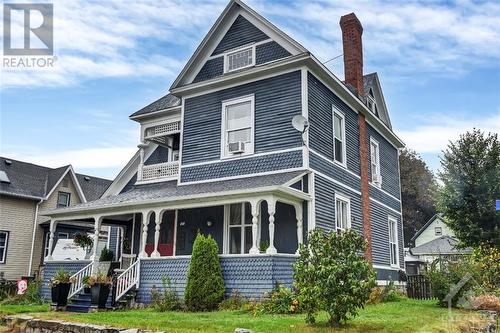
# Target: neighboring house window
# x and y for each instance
(63, 199)
(339, 154)
(239, 228)
(4, 239)
(393, 240)
(438, 231)
(238, 126)
(62, 235)
(238, 59)
(46, 247)
(375, 162)
(342, 213)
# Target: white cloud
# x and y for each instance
(433, 136)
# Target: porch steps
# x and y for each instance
(81, 302)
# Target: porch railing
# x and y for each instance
(160, 170)
(77, 280)
(128, 279)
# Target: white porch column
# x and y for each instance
(141, 147)
(97, 229)
(158, 220)
(52, 230)
(300, 234)
(271, 208)
(145, 223)
(255, 227)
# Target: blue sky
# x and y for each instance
(438, 63)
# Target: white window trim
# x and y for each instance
(248, 98)
(46, 246)
(225, 235)
(65, 234)
(68, 201)
(375, 142)
(440, 231)
(394, 220)
(4, 257)
(348, 201)
(236, 50)
(336, 111)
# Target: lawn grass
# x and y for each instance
(19, 309)
(403, 316)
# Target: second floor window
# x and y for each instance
(4, 237)
(338, 137)
(63, 199)
(342, 213)
(238, 126)
(375, 162)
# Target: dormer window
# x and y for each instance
(240, 58)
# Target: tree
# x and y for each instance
(418, 187)
(332, 275)
(471, 183)
(205, 285)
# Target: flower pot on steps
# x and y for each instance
(99, 295)
(60, 294)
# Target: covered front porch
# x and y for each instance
(258, 229)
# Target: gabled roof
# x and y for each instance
(217, 32)
(166, 102)
(432, 219)
(31, 181)
(441, 245)
(371, 81)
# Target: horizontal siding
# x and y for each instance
(269, 52)
(242, 32)
(277, 100)
(237, 167)
(382, 197)
(388, 275)
(321, 100)
(325, 204)
(334, 171)
(252, 276)
(380, 234)
(389, 164)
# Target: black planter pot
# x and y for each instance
(60, 294)
(99, 295)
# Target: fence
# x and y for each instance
(418, 287)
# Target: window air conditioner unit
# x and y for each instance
(236, 147)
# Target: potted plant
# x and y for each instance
(86, 285)
(100, 285)
(60, 284)
(105, 260)
(83, 240)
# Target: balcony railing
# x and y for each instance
(160, 171)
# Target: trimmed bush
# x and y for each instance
(205, 285)
(331, 275)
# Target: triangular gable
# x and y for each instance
(376, 88)
(222, 37)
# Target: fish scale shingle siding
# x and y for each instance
(321, 100)
(277, 100)
(241, 33)
(212, 68)
(50, 269)
(269, 52)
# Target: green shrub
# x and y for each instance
(390, 294)
(106, 255)
(166, 299)
(205, 285)
(331, 275)
(282, 300)
(30, 297)
(234, 302)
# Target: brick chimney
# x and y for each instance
(353, 51)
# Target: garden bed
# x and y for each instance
(403, 316)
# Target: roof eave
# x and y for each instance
(156, 113)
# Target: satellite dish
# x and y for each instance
(300, 123)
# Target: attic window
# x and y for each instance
(238, 59)
(3, 177)
(370, 102)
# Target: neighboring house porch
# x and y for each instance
(258, 223)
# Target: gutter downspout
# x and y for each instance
(33, 238)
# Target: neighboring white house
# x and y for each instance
(435, 239)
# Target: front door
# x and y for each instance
(166, 242)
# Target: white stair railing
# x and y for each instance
(77, 280)
(126, 280)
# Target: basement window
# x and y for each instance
(238, 59)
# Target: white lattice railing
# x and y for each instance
(128, 279)
(77, 280)
(163, 129)
(161, 170)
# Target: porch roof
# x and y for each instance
(145, 195)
